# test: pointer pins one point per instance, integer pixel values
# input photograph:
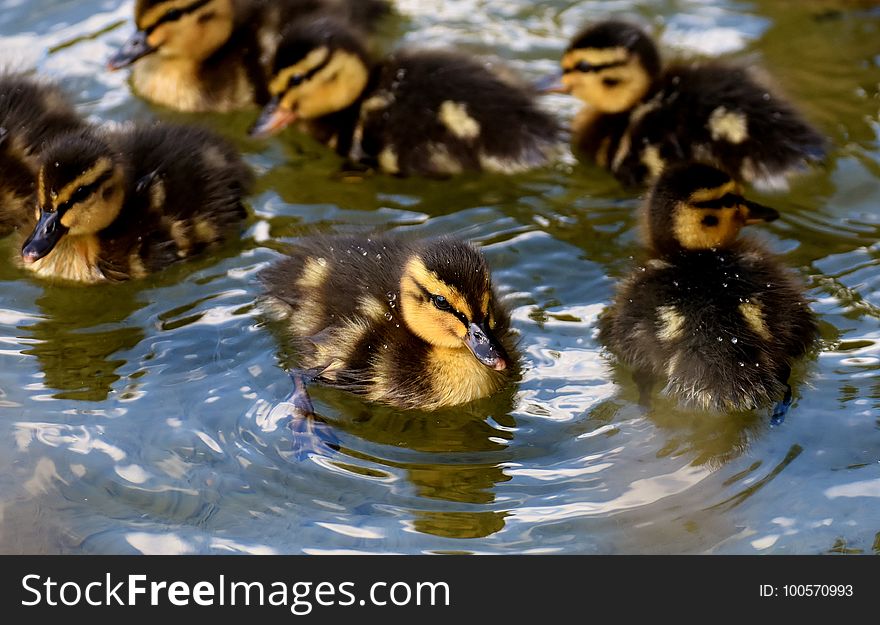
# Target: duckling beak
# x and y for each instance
(486, 347)
(758, 213)
(132, 50)
(273, 119)
(43, 239)
(551, 84)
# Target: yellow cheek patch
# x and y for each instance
(730, 126)
(594, 56)
(455, 117)
(101, 167)
(312, 60)
(693, 234)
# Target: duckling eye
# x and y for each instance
(583, 66)
(173, 14)
(441, 303)
(296, 80)
(611, 82)
(710, 220)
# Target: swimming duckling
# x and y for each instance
(411, 324)
(641, 117)
(31, 112)
(120, 205)
(212, 55)
(719, 317)
(422, 112)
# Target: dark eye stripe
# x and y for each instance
(452, 311)
(85, 191)
(298, 79)
(175, 14)
(729, 200)
(585, 67)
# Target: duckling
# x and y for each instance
(422, 112)
(408, 323)
(641, 117)
(32, 111)
(719, 317)
(124, 204)
(211, 55)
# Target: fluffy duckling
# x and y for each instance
(640, 117)
(424, 112)
(120, 205)
(31, 113)
(212, 55)
(719, 317)
(411, 324)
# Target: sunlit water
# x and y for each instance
(138, 418)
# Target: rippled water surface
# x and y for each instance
(138, 418)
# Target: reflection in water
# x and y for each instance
(77, 336)
(711, 439)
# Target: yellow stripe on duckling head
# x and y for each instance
(594, 56)
(101, 167)
(313, 59)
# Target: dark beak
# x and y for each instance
(132, 50)
(486, 347)
(45, 236)
(758, 212)
(273, 119)
(551, 84)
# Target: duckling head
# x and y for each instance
(446, 300)
(320, 68)
(80, 191)
(697, 207)
(186, 29)
(610, 66)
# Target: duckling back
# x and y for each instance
(721, 328)
(32, 112)
(345, 314)
(717, 114)
(441, 113)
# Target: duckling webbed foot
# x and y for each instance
(781, 408)
(310, 433)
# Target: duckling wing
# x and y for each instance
(186, 189)
(440, 113)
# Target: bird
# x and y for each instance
(640, 117)
(430, 112)
(718, 316)
(119, 204)
(211, 55)
(32, 112)
(409, 323)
